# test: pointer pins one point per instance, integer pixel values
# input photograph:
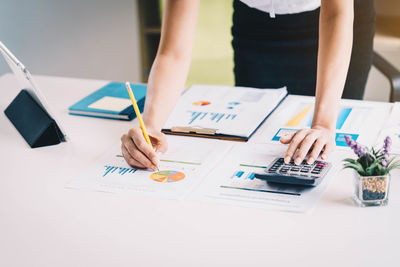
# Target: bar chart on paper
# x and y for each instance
(350, 119)
(118, 170)
(244, 179)
(222, 110)
(211, 117)
(233, 182)
(303, 118)
(180, 168)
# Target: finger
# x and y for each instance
(162, 146)
(296, 140)
(137, 155)
(141, 144)
(128, 158)
(306, 144)
(286, 138)
(329, 147)
(318, 146)
(140, 157)
(155, 142)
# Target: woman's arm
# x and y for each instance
(166, 81)
(334, 52)
(171, 65)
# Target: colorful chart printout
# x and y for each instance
(167, 176)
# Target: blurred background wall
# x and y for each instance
(117, 40)
(77, 38)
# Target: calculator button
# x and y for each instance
(295, 169)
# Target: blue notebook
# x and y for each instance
(111, 101)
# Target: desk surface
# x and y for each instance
(44, 224)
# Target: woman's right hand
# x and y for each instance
(138, 153)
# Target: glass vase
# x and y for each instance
(371, 190)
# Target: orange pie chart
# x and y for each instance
(167, 176)
(201, 103)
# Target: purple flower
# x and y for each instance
(385, 151)
(358, 149)
(384, 163)
(387, 144)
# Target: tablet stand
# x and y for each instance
(32, 121)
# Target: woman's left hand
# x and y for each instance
(311, 141)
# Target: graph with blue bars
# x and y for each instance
(211, 116)
(117, 170)
(243, 175)
(342, 117)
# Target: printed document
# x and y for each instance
(392, 129)
(234, 111)
(233, 182)
(360, 120)
(188, 160)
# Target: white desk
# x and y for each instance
(44, 224)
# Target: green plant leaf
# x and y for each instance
(356, 167)
(353, 161)
(370, 170)
(380, 170)
(393, 165)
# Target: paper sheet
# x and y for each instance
(181, 168)
(232, 182)
(206, 170)
(361, 120)
(234, 111)
(392, 129)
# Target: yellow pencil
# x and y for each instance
(137, 111)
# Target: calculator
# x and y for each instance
(304, 174)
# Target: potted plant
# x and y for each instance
(372, 172)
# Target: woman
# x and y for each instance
(306, 45)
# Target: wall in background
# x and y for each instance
(77, 38)
(99, 39)
(387, 7)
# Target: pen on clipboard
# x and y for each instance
(139, 117)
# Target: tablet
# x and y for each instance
(25, 81)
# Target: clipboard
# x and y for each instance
(212, 133)
(203, 132)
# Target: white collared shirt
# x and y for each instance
(283, 6)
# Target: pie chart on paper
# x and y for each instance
(202, 103)
(167, 176)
